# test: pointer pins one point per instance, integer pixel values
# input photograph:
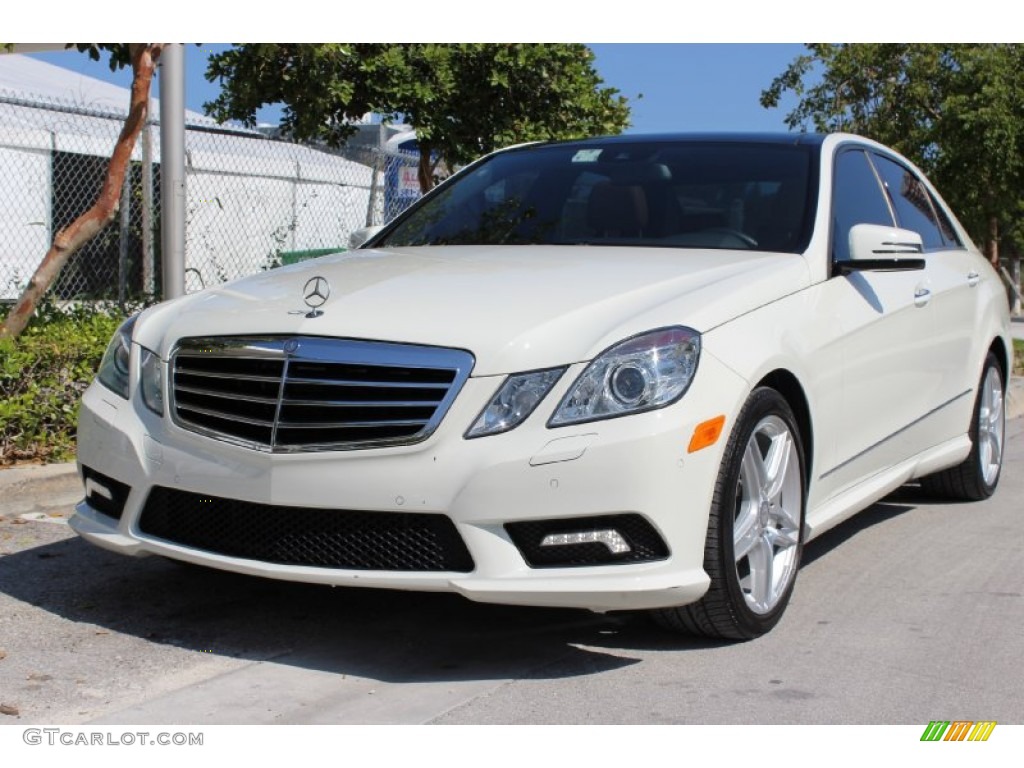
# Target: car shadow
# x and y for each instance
(391, 636)
(877, 514)
(904, 499)
(386, 635)
(863, 287)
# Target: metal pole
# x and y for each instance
(172, 168)
(294, 223)
(378, 169)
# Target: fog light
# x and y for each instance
(624, 538)
(609, 537)
(93, 488)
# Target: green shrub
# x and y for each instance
(43, 374)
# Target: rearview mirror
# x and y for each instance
(875, 248)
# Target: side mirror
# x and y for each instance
(360, 236)
(875, 248)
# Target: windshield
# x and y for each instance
(672, 194)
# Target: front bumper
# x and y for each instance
(635, 464)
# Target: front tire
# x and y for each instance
(755, 538)
(977, 477)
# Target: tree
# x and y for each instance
(142, 57)
(464, 100)
(955, 110)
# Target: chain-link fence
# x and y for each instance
(253, 202)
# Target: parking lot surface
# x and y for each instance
(908, 613)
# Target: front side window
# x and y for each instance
(857, 198)
(667, 194)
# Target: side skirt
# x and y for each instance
(835, 510)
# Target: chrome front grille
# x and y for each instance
(292, 394)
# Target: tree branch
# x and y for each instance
(70, 239)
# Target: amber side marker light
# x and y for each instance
(706, 433)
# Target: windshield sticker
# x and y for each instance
(586, 156)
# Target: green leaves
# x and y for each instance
(43, 374)
(464, 99)
(955, 110)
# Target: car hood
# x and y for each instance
(514, 307)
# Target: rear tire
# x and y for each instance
(977, 477)
(755, 528)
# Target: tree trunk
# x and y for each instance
(425, 169)
(66, 242)
(992, 241)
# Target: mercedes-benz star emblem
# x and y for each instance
(315, 293)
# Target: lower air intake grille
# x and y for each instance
(321, 538)
(644, 542)
(105, 494)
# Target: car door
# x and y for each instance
(890, 374)
(954, 277)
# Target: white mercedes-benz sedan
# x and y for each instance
(615, 374)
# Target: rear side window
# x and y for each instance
(946, 226)
(857, 198)
(911, 201)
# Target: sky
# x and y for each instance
(670, 86)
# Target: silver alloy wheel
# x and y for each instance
(991, 425)
(768, 504)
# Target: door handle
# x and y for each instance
(973, 278)
(922, 296)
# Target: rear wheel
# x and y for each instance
(754, 536)
(977, 477)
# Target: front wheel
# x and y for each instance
(976, 478)
(754, 538)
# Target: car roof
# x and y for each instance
(802, 139)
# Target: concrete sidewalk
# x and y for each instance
(52, 490)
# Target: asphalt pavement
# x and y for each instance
(909, 612)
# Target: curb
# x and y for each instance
(14, 478)
(40, 488)
(50, 489)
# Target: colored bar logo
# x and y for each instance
(958, 730)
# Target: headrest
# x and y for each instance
(617, 209)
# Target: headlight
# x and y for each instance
(151, 381)
(114, 370)
(648, 371)
(514, 401)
